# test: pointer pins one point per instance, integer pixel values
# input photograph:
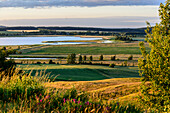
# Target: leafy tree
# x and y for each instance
(91, 58)
(5, 65)
(130, 57)
(80, 59)
(101, 57)
(113, 57)
(84, 58)
(155, 66)
(71, 59)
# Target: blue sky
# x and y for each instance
(88, 13)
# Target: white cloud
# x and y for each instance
(87, 3)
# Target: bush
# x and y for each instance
(71, 59)
(51, 62)
(113, 57)
(19, 52)
(38, 62)
(125, 63)
(80, 59)
(101, 57)
(112, 65)
(130, 57)
(84, 58)
(91, 58)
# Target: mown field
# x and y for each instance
(87, 50)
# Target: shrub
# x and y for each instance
(71, 59)
(113, 57)
(38, 62)
(101, 57)
(80, 59)
(19, 52)
(84, 58)
(91, 58)
(125, 63)
(51, 62)
(130, 57)
(112, 65)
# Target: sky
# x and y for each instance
(83, 13)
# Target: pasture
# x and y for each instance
(81, 72)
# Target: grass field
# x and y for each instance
(86, 50)
(82, 72)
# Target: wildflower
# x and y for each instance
(87, 103)
(74, 100)
(49, 103)
(36, 97)
(107, 108)
(40, 94)
(64, 100)
(38, 103)
(80, 106)
(79, 102)
(41, 100)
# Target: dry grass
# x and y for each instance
(122, 89)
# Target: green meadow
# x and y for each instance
(81, 72)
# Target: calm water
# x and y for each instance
(38, 40)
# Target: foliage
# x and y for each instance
(91, 58)
(125, 63)
(24, 93)
(101, 57)
(80, 59)
(113, 57)
(154, 68)
(84, 58)
(123, 38)
(51, 62)
(130, 57)
(112, 65)
(4, 63)
(19, 85)
(71, 59)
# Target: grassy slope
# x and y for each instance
(83, 72)
(124, 90)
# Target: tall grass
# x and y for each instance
(22, 92)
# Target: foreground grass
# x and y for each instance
(82, 72)
(25, 93)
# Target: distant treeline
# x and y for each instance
(74, 31)
(139, 30)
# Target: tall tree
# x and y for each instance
(71, 59)
(155, 66)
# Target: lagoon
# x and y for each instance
(4, 41)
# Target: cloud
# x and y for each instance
(83, 3)
(105, 22)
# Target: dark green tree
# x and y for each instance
(130, 57)
(101, 57)
(155, 65)
(71, 59)
(80, 59)
(91, 58)
(5, 64)
(84, 58)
